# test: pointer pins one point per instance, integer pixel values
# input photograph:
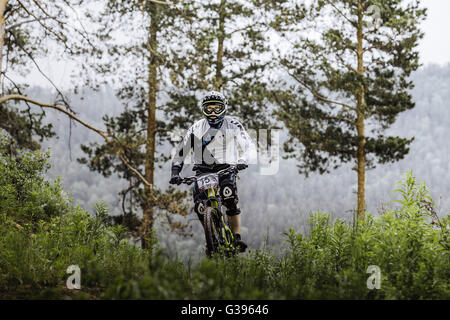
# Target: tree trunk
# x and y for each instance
(148, 216)
(221, 37)
(361, 165)
(3, 4)
(360, 153)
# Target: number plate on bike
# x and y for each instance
(207, 182)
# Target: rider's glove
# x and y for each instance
(241, 166)
(175, 178)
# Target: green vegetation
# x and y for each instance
(42, 233)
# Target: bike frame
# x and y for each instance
(214, 202)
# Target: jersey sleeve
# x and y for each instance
(247, 148)
(183, 148)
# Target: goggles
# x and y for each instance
(213, 109)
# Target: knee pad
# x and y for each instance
(228, 191)
(199, 209)
(230, 199)
(233, 211)
(232, 206)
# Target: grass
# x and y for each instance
(42, 233)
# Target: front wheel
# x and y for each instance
(211, 234)
(217, 233)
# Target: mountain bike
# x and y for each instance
(218, 234)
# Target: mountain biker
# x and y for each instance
(215, 141)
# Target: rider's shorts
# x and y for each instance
(228, 193)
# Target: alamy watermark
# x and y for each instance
(374, 12)
(74, 280)
(374, 280)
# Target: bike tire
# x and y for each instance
(211, 235)
(218, 238)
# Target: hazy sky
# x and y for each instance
(434, 47)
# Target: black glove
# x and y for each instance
(241, 166)
(175, 178)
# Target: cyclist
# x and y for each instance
(217, 141)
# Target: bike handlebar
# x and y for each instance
(191, 179)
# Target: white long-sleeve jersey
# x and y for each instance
(230, 144)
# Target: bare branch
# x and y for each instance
(18, 24)
(17, 88)
(353, 23)
(318, 96)
(326, 117)
(74, 117)
(46, 13)
(158, 2)
(125, 162)
(44, 26)
(42, 73)
(53, 106)
(84, 35)
(346, 65)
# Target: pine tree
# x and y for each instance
(226, 48)
(134, 38)
(348, 71)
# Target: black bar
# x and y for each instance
(223, 309)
